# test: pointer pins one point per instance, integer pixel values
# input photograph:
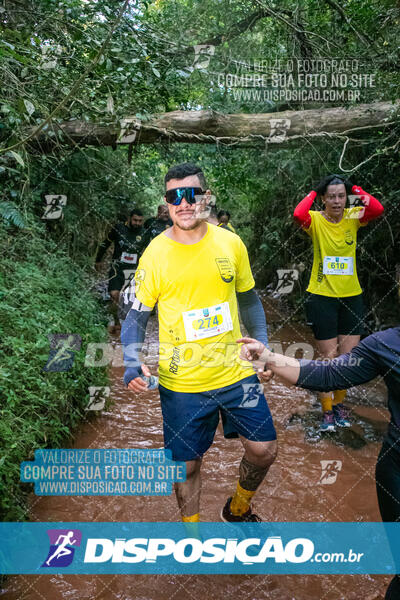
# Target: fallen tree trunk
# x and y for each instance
(207, 126)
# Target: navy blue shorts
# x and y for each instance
(191, 419)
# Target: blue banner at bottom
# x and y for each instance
(200, 548)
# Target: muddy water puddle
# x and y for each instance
(293, 491)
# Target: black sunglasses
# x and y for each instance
(176, 196)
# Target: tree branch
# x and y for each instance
(363, 39)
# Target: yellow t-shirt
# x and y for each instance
(195, 287)
(227, 226)
(334, 271)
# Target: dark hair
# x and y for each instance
(185, 170)
(213, 211)
(333, 179)
(136, 211)
(121, 216)
(224, 213)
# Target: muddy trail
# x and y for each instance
(292, 491)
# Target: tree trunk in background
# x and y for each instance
(207, 126)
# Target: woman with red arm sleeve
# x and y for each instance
(334, 305)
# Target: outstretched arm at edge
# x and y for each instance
(358, 366)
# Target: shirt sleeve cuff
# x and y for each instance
(131, 373)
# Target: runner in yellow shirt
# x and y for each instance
(199, 274)
(224, 218)
(334, 303)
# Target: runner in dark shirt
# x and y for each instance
(377, 355)
(156, 225)
(129, 243)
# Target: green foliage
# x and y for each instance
(11, 215)
(41, 292)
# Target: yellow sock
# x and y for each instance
(240, 502)
(326, 401)
(339, 396)
(192, 519)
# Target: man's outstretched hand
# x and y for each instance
(252, 350)
(138, 384)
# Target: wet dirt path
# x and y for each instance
(291, 492)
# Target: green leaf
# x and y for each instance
(30, 109)
(7, 44)
(17, 157)
(8, 53)
(156, 72)
(110, 104)
(10, 213)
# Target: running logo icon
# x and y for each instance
(357, 203)
(202, 55)
(251, 394)
(286, 280)
(62, 547)
(129, 129)
(330, 470)
(50, 56)
(278, 129)
(61, 354)
(98, 397)
(54, 206)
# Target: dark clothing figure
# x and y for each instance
(378, 354)
(129, 243)
(153, 227)
(125, 239)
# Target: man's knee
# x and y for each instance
(192, 468)
(262, 453)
